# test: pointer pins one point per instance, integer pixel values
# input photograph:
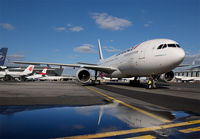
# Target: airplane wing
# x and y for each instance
(87, 66)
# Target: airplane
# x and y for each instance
(153, 58)
(56, 78)
(37, 76)
(9, 75)
(3, 53)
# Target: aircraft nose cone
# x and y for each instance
(181, 54)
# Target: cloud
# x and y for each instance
(148, 24)
(60, 29)
(110, 49)
(69, 25)
(76, 29)
(73, 29)
(106, 21)
(192, 59)
(86, 48)
(11, 58)
(7, 26)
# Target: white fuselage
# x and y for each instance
(34, 77)
(145, 59)
(55, 78)
(13, 74)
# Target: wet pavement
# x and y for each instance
(69, 110)
(64, 121)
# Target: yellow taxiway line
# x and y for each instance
(131, 131)
(132, 107)
(190, 130)
(143, 137)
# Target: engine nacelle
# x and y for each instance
(167, 77)
(83, 75)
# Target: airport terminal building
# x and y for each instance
(193, 72)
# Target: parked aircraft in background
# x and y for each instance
(3, 53)
(154, 58)
(37, 76)
(56, 78)
(9, 75)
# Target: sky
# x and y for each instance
(66, 31)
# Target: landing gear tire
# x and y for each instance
(152, 83)
(7, 78)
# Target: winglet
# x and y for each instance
(100, 51)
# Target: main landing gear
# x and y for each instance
(95, 79)
(152, 82)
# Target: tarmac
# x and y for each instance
(169, 111)
(47, 93)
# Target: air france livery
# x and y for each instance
(154, 58)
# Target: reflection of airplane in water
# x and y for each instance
(131, 117)
(9, 75)
(148, 59)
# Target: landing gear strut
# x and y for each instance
(152, 82)
(95, 79)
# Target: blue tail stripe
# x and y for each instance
(3, 53)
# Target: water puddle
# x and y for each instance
(62, 121)
(180, 114)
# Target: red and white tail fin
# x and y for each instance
(29, 69)
(44, 71)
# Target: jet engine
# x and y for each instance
(83, 75)
(167, 77)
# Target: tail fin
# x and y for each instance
(44, 71)
(3, 53)
(100, 51)
(29, 69)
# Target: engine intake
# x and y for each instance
(83, 75)
(167, 77)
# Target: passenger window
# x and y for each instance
(164, 46)
(171, 45)
(159, 47)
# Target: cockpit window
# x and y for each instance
(159, 47)
(171, 45)
(178, 46)
(164, 46)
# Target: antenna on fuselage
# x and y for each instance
(100, 51)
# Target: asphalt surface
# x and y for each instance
(163, 99)
(47, 93)
(109, 110)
